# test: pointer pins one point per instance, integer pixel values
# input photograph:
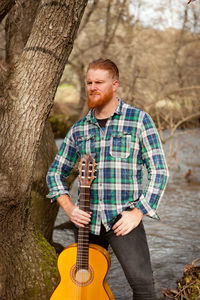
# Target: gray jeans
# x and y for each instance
(133, 254)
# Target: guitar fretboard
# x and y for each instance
(83, 232)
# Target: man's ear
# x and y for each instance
(115, 85)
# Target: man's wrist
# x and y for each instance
(138, 212)
(66, 203)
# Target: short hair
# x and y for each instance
(105, 64)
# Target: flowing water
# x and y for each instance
(174, 240)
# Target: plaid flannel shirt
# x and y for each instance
(129, 140)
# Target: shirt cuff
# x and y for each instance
(56, 195)
(145, 208)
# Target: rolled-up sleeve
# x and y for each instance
(61, 167)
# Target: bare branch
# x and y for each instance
(88, 15)
(196, 115)
(109, 35)
(82, 51)
(18, 27)
(183, 89)
(191, 1)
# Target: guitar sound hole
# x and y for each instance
(81, 277)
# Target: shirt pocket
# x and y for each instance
(120, 145)
(85, 145)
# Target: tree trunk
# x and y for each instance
(18, 28)
(27, 266)
(43, 211)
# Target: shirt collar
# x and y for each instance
(91, 117)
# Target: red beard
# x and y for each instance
(100, 100)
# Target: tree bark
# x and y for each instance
(28, 98)
(18, 28)
(43, 211)
(6, 5)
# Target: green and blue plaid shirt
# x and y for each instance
(129, 140)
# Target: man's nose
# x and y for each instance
(93, 87)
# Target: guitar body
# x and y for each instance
(83, 266)
(84, 284)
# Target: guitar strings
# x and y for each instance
(83, 240)
(86, 172)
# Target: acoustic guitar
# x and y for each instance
(83, 266)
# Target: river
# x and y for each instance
(174, 240)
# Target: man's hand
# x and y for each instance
(74, 213)
(129, 220)
(78, 216)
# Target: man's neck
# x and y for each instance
(107, 109)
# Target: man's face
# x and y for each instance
(100, 87)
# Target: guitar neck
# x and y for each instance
(83, 232)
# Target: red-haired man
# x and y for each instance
(121, 138)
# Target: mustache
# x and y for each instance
(94, 93)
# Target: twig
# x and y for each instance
(181, 122)
(183, 289)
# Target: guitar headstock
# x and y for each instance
(86, 170)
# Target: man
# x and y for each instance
(121, 138)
